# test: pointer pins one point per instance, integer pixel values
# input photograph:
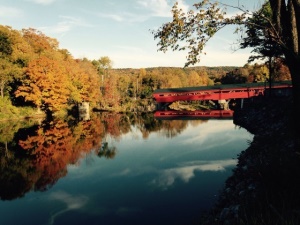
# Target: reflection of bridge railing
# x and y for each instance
(201, 114)
(217, 92)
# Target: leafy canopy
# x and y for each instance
(259, 35)
(192, 30)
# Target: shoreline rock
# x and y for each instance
(265, 185)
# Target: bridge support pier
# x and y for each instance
(224, 104)
(84, 111)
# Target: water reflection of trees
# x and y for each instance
(38, 156)
(35, 155)
(107, 151)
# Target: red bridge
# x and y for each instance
(202, 114)
(221, 93)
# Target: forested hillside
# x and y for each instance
(36, 73)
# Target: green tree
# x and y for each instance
(8, 71)
(5, 44)
(103, 65)
(9, 68)
(260, 39)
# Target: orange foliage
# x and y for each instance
(85, 81)
(282, 72)
(39, 41)
(53, 148)
(46, 84)
(52, 78)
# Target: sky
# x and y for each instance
(119, 29)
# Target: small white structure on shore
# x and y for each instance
(84, 111)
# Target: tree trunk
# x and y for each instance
(294, 66)
(286, 16)
(293, 60)
(2, 89)
(271, 71)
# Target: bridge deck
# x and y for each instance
(216, 92)
(223, 87)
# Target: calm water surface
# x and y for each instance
(116, 170)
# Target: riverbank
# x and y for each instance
(10, 112)
(265, 186)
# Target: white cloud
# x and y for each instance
(225, 58)
(182, 5)
(123, 17)
(66, 24)
(145, 9)
(115, 17)
(10, 12)
(161, 8)
(157, 7)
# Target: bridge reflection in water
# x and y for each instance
(197, 114)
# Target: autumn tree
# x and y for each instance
(111, 94)
(194, 79)
(40, 43)
(281, 71)
(93, 83)
(257, 73)
(233, 77)
(45, 84)
(85, 83)
(50, 78)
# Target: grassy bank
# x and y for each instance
(265, 186)
(11, 112)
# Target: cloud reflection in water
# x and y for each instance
(187, 171)
(72, 203)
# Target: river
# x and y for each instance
(115, 169)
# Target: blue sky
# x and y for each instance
(119, 29)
